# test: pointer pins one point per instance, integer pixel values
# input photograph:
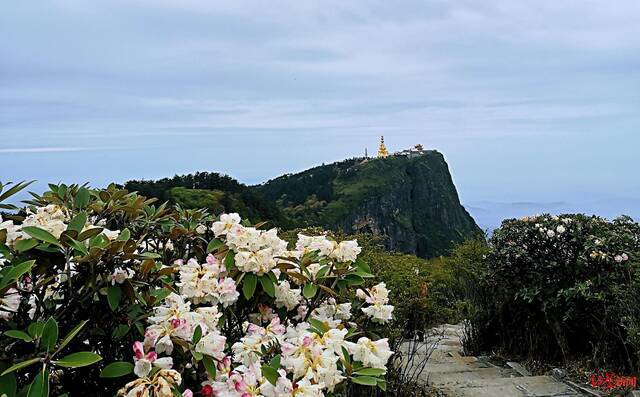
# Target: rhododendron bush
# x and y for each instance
(564, 287)
(105, 292)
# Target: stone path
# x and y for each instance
(459, 376)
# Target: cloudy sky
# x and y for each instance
(528, 100)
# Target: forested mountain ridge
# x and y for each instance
(412, 201)
(216, 192)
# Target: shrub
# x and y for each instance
(91, 278)
(563, 287)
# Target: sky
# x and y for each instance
(529, 101)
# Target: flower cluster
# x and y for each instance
(377, 297)
(276, 354)
(206, 282)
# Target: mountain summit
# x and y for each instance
(410, 199)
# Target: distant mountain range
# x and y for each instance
(489, 214)
(410, 200)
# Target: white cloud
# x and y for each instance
(43, 150)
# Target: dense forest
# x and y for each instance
(217, 192)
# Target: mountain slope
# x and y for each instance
(411, 201)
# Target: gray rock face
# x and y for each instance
(418, 210)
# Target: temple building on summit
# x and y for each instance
(414, 151)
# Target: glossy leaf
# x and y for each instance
(17, 334)
(20, 365)
(117, 369)
(79, 359)
(309, 290)
(114, 294)
(50, 334)
(41, 235)
(249, 285)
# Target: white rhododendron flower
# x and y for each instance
(120, 275)
(561, 229)
(377, 297)
(346, 251)
(226, 222)
(373, 354)
(205, 282)
(286, 296)
(212, 345)
(50, 218)
(308, 244)
(145, 362)
(9, 303)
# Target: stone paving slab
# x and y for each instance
(459, 376)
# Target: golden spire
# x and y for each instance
(382, 150)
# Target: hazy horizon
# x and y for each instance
(528, 101)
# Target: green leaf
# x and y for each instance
(230, 260)
(41, 235)
(15, 189)
(114, 294)
(71, 335)
(79, 359)
(16, 334)
(120, 331)
(275, 362)
(209, 366)
(321, 326)
(270, 373)
(50, 334)
(361, 265)
(197, 334)
(267, 285)
(35, 329)
(8, 385)
(62, 191)
(214, 245)
(16, 271)
(249, 285)
(78, 246)
(309, 290)
(365, 380)
(82, 197)
(354, 279)
(25, 245)
(382, 385)
(89, 233)
(117, 369)
(20, 365)
(40, 385)
(370, 371)
(78, 222)
(124, 235)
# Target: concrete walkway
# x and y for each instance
(459, 376)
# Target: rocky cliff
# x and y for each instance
(411, 201)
